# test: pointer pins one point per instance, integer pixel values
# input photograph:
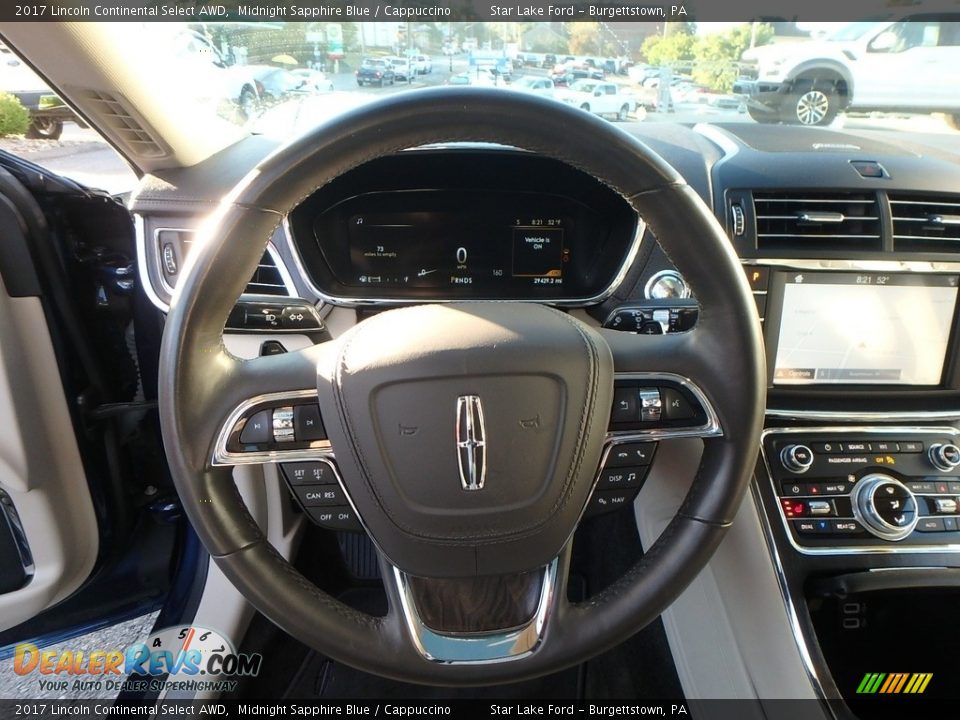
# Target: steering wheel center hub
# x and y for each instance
(470, 428)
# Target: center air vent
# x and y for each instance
(804, 221)
(926, 223)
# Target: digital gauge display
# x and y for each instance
(425, 245)
(444, 249)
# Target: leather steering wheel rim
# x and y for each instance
(201, 382)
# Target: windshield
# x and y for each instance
(279, 79)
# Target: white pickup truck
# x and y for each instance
(600, 98)
(910, 64)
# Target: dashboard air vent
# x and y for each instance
(267, 279)
(926, 223)
(817, 221)
(124, 124)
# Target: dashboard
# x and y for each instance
(849, 241)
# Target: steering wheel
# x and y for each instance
(473, 525)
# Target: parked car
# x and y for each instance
(401, 68)
(911, 64)
(375, 71)
(47, 110)
(599, 98)
(313, 81)
(421, 64)
(549, 61)
(275, 84)
(534, 84)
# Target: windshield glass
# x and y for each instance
(225, 80)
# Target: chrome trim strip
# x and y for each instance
(223, 457)
(853, 430)
(478, 648)
(368, 301)
(884, 417)
(792, 616)
(711, 428)
(145, 282)
(921, 266)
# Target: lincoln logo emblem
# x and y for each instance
(471, 442)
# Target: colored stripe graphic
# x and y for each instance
(894, 683)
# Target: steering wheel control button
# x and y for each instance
(638, 453)
(309, 473)
(886, 506)
(796, 458)
(675, 405)
(945, 456)
(622, 477)
(283, 425)
(319, 495)
(262, 317)
(335, 518)
(625, 405)
(604, 501)
(651, 404)
(258, 430)
(307, 423)
(653, 320)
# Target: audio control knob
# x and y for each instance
(944, 457)
(885, 506)
(796, 458)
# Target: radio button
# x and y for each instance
(852, 448)
(886, 447)
(944, 457)
(827, 447)
(622, 477)
(911, 447)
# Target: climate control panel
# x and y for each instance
(841, 489)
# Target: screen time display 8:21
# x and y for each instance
(455, 250)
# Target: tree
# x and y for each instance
(716, 56)
(585, 38)
(670, 50)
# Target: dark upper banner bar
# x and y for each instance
(472, 10)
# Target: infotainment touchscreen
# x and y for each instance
(864, 328)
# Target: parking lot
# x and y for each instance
(82, 155)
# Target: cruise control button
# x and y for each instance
(625, 406)
(932, 524)
(651, 404)
(622, 477)
(314, 495)
(308, 473)
(259, 429)
(604, 501)
(675, 405)
(307, 423)
(335, 518)
(640, 453)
